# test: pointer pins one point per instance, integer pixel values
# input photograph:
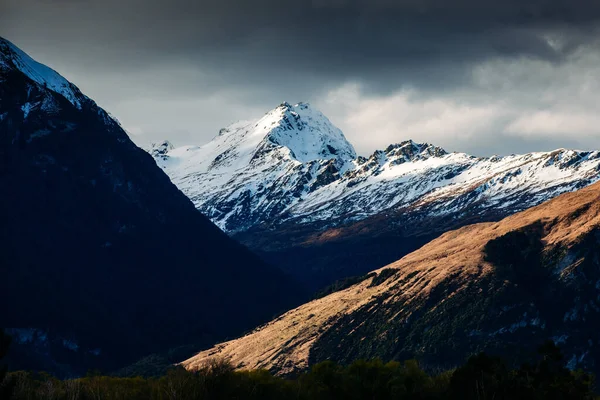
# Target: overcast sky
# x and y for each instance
(481, 76)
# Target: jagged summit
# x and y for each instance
(406, 151)
(293, 132)
(304, 131)
(13, 57)
(412, 150)
(161, 149)
(291, 151)
(308, 134)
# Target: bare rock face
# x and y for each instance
(502, 287)
(160, 150)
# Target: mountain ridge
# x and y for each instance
(499, 287)
(11, 55)
(325, 220)
(364, 186)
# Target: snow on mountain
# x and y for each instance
(293, 164)
(48, 93)
(449, 183)
(13, 57)
(261, 168)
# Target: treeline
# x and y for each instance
(482, 377)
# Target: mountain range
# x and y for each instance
(291, 187)
(104, 260)
(502, 287)
(111, 253)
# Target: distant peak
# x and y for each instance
(303, 106)
(299, 132)
(307, 133)
(411, 149)
(288, 106)
(164, 144)
(161, 148)
(406, 151)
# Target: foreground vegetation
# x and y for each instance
(482, 377)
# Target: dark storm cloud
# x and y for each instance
(381, 42)
(193, 66)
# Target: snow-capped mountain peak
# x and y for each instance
(13, 57)
(305, 131)
(294, 133)
(293, 164)
(291, 151)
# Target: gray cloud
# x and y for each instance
(185, 68)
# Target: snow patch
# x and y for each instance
(39, 73)
(26, 108)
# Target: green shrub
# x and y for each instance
(481, 377)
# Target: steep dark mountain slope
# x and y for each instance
(103, 259)
(501, 287)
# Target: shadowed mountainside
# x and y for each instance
(104, 260)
